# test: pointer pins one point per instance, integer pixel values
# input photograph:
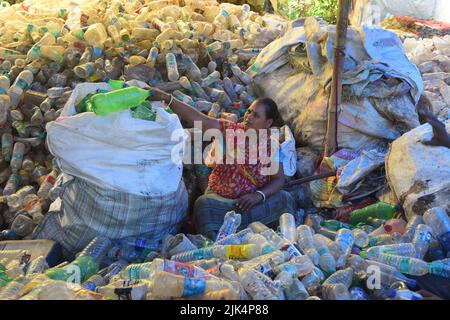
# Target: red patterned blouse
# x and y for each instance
(241, 173)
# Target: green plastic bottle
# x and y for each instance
(380, 210)
(144, 111)
(335, 225)
(117, 84)
(118, 100)
(84, 104)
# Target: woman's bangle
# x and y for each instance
(262, 193)
(171, 100)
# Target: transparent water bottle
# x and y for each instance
(344, 240)
(287, 227)
(440, 268)
(400, 249)
(306, 242)
(422, 240)
(336, 292)
(344, 277)
(408, 265)
(22, 83)
(296, 291)
(192, 70)
(241, 75)
(254, 286)
(439, 221)
(22, 225)
(210, 79)
(172, 68)
(296, 267)
(361, 239)
(410, 228)
(326, 260)
(12, 184)
(232, 221)
(7, 146)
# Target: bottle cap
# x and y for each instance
(392, 293)
(388, 228)
(363, 254)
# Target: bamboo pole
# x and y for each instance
(310, 178)
(336, 85)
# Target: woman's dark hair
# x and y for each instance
(271, 110)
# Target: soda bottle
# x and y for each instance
(361, 238)
(440, 268)
(399, 249)
(22, 83)
(422, 240)
(395, 225)
(439, 221)
(326, 260)
(7, 146)
(410, 228)
(232, 221)
(344, 277)
(287, 227)
(306, 242)
(118, 100)
(168, 285)
(380, 210)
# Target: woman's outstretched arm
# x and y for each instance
(185, 111)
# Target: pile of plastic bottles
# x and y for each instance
(323, 259)
(196, 52)
(432, 57)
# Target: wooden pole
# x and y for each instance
(310, 178)
(336, 85)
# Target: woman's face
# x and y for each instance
(255, 117)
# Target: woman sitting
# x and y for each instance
(251, 182)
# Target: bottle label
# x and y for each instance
(50, 179)
(237, 252)
(444, 240)
(193, 287)
(22, 84)
(137, 271)
(180, 268)
(405, 265)
(291, 250)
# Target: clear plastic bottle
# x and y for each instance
(408, 265)
(344, 277)
(281, 243)
(85, 70)
(422, 240)
(198, 91)
(296, 267)
(336, 292)
(296, 291)
(241, 75)
(4, 99)
(439, 221)
(172, 68)
(361, 238)
(210, 79)
(12, 185)
(287, 227)
(96, 249)
(184, 98)
(400, 249)
(168, 285)
(22, 225)
(326, 260)
(15, 201)
(232, 221)
(254, 286)
(48, 183)
(440, 268)
(7, 146)
(118, 100)
(410, 228)
(22, 83)
(344, 240)
(306, 242)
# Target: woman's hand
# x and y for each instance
(248, 201)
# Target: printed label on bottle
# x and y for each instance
(137, 271)
(444, 240)
(180, 268)
(291, 250)
(237, 252)
(140, 244)
(2, 91)
(193, 287)
(405, 265)
(22, 84)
